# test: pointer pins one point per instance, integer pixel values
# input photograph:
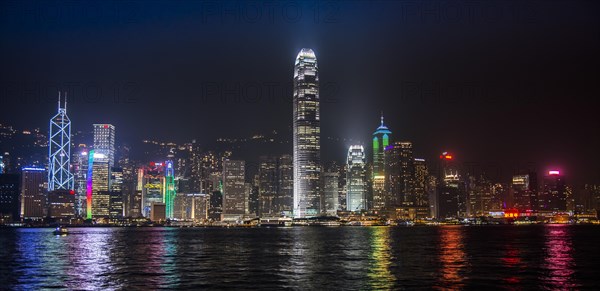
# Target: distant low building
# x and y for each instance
(191, 206)
(158, 212)
(411, 212)
(9, 198)
(61, 204)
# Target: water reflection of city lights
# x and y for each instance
(379, 270)
(512, 260)
(452, 257)
(559, 263)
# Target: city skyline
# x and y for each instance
(310, 145)
(446, 97)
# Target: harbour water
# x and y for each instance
(552, 257)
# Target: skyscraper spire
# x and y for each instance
(58, 100)
(66, 101)
(381, 117)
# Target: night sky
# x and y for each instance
(504, 85)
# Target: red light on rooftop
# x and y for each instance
(106, 126)
(446, 156)
(72, 192)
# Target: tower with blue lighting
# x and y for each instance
(59, 150)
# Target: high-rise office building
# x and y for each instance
(381, 140)
(80, 169)
(451, 192)
(9, 198)
(234, 190)
(104, 141)
(284, 200)
(553, 195)
(151, 181)
(399, 174)
(116, 179)
(59, 150)
(330, 193)
(449, 196)
(169, 195)
(420, 183)
(524, 192)
(480, 196)
(275, 185)
(356, 179)
(267, 185)
(192, 206)
(33, 193)
(115, 205)
(100, 186)
(306, 128)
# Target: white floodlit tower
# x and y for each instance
(59, 150)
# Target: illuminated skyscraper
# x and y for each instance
(59, 150)
(554, 192)
(80, 169)
(451, 192)
(420, 183)
(234, 190)
(356, 179)
(151, 181)
(267, 186)
(100, 185)
(33, 193)
(524, 192)
(104, 141)
(381, 139)
(330, 193)
(275, 185)
(400, 173)
(169, 196)
(307, 127)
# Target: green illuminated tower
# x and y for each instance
(169, 195)
(381, 140)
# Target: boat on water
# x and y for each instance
(61, 231)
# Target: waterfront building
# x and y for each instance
(104, 142)
(9, 198)
(234, 190)
(381, 140)
(356, 179)
(33, 193)
(306, 135)
(59, 150)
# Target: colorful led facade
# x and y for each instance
(59, 150)
(307, 127)
(153, 185)
(169, 196)
(89, 185)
